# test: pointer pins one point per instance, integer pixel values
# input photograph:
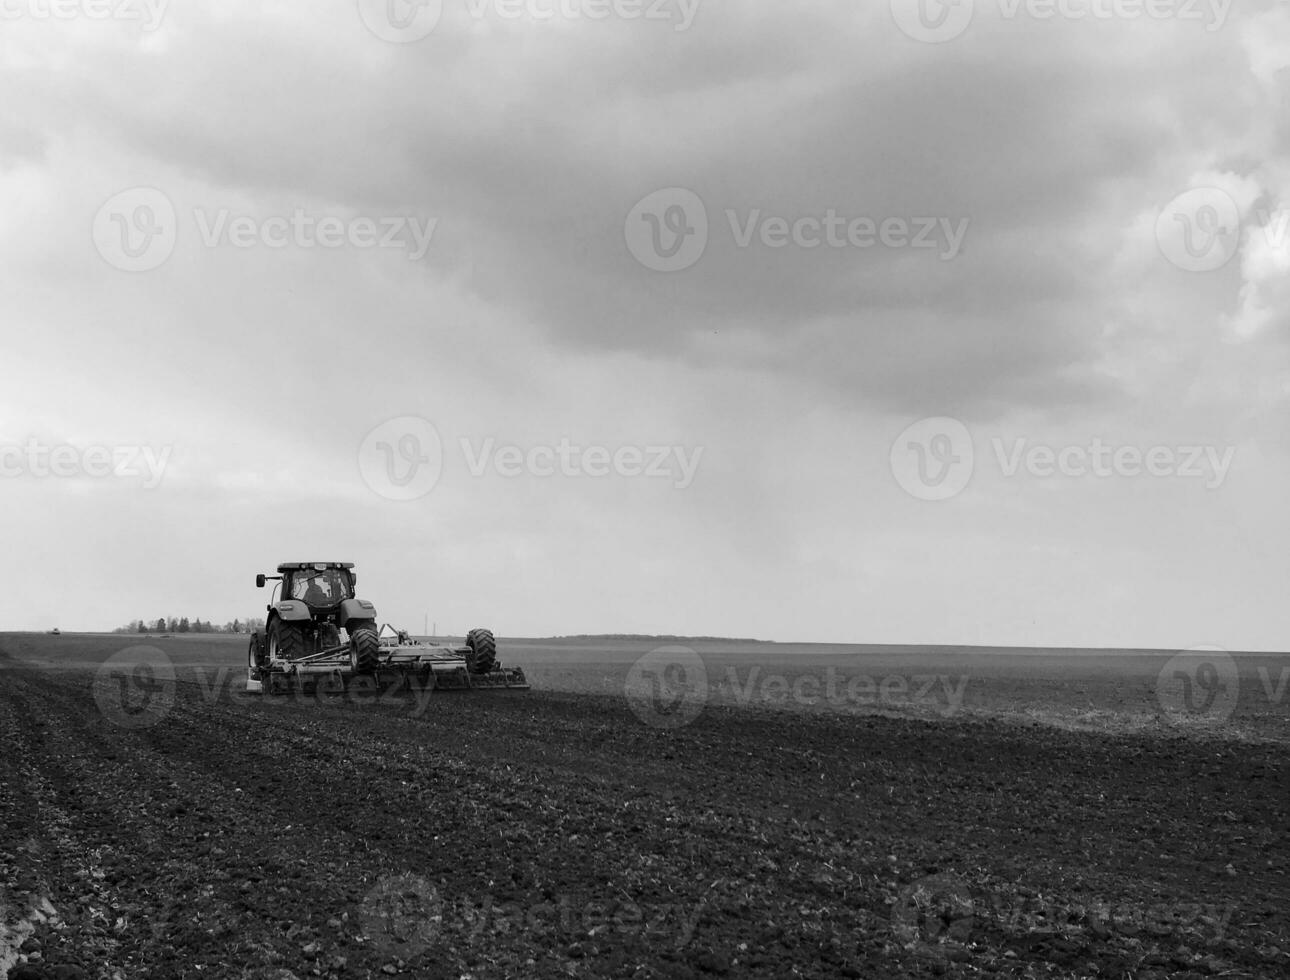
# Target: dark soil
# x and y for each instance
(544, 834)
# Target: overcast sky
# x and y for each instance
(856, 322)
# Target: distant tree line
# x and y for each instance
(172, 624)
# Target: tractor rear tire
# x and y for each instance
(286, 641)
(364, 648)
(483, 651)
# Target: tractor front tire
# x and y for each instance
(286, 641)
(483, 651)
(364, 648)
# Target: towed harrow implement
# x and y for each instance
(401, 663)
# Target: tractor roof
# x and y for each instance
(291, 566)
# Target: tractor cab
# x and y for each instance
(322, 586)
(319, 589)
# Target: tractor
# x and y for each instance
(317, 630)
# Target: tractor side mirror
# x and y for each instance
(259, 581)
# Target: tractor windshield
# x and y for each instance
(325, 588)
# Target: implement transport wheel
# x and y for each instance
(483, 651)
(364, 648)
